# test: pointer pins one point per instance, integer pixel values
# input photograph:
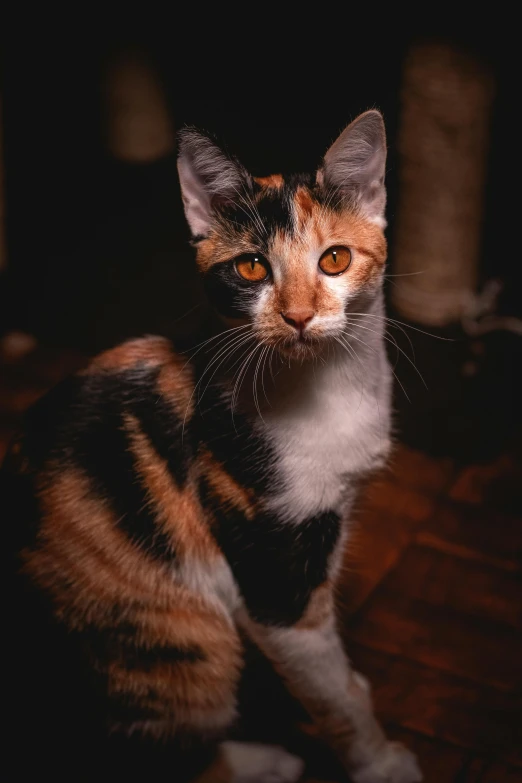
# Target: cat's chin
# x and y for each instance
(303, 349)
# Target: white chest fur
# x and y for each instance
(328, 425)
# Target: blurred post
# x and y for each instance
(3, 253)
(443, 145)
(140, 129)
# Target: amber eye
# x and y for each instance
(335, 260)
(253, 268)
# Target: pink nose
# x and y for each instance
(299, 319)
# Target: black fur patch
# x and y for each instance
(159, 422)
(226, 291)
(102, 450)
(264, 212)
(248, 458)
(260, 215)
(125, 709)
(275, 210)
(81, 421)
(276, 566)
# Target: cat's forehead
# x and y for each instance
(272, 181)
(284, 215)
(282, 203)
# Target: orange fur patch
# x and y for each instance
(85, 561)
(146, 350)
(304, 205)
(272, 181)
(179, 511)
(176, 384)
(228, 491)
(95, 576)
(217, 249)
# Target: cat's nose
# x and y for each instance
(299, 319)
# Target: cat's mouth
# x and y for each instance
(301, 346)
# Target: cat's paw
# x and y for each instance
(256, 763)
(395, 764)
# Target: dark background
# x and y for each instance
(98, 248)
(97, 251)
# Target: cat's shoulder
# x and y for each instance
(143, 377)
(149, 363)
(148, 351)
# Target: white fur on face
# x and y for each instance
(298, 283)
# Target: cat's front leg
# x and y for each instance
(310, 658)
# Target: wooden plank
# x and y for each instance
(480, 770)
(496, 485)
(500, 773)
(442, 706)
(377, 540)
(416, 470)
(473, 588)
(439, 637)
(474, 533)
(393, 503)
(385, 520)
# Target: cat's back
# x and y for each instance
(142, 382)
(104, 452)
(100, 504)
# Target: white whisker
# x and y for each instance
(240, 377)
(254, 383)
(392, 341)
(199, 346)
(233, 341)
(407, 326)
(227, 351)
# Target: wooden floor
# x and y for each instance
(430, 601)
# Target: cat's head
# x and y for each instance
(291, 255)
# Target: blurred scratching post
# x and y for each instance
(139, 126)
(443, 145)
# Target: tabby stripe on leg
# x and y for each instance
(127, 708)
(121, 643)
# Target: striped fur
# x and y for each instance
(168, 504)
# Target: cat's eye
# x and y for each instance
(252, 268)
(335, 260)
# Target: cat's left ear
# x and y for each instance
(354, 166)
(207, 178)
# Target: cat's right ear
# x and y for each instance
(207, 177)
(354, 166)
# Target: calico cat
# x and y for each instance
(166, 504)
